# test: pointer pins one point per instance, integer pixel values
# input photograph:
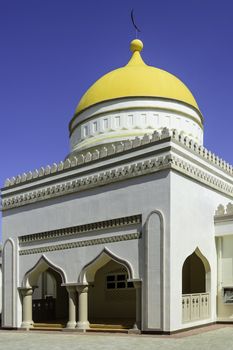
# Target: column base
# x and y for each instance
(71, 325)
(134, 330)
(26, 325)
(83, 325)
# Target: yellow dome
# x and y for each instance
(136, 79)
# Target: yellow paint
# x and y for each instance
(136, 79)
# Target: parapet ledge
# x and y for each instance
(119, 147)
(224, 211)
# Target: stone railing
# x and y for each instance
(117, 148)
(195, 307)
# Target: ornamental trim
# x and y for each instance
(81, 244)
(132, 170)
(81, 159)
(76, 230)
(87, 182)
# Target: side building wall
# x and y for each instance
(193, 207)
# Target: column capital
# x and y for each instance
(71, 288)
(82, 288)
(26, 291)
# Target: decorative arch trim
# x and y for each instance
(202, 257)
(9, 240)
(206, 263)
(9, 287)
(154, 262)
(104, 257)
(43, 260)
(161, 217)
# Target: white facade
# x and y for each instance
(146, 206)
(122, 233)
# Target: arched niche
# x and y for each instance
(195, 274)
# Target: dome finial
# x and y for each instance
(136, 45)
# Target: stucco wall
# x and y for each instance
(192, 226)
(141, 195)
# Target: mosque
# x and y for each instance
(134, 229)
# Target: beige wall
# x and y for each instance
(225, 275)
(110, 304)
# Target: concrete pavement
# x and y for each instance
(209, 338)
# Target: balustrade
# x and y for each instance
(195, 306)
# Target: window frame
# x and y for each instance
(116, 281)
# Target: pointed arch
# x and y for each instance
(87, 274)
(30, 278)
(198, 252)
(195, 273)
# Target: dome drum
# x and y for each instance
(127, 118)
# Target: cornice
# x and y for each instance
(81, 183)
(95, 177)
(69, 232)
(81, 244)
(129, 171)
(114, 150)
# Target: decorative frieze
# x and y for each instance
(87, 182)
(117, 148)
(135, 169)
(76, 230)
(201, 176)
(80, 244)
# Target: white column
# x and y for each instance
(72, 307)
(27, 308)
(83, 322)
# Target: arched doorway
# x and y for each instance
(49, 299)
(44, 299)
(195, 287)
(109, 296)
(112, 299)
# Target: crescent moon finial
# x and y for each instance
(134, 24)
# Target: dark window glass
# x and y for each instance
(121, 277)
(120, 284)
(111, 278)
(110, 285)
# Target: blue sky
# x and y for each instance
(51, 51)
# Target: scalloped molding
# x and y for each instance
(116, 148)
(76, 230)
(135, 169)
(80, 244)
(87, 182)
